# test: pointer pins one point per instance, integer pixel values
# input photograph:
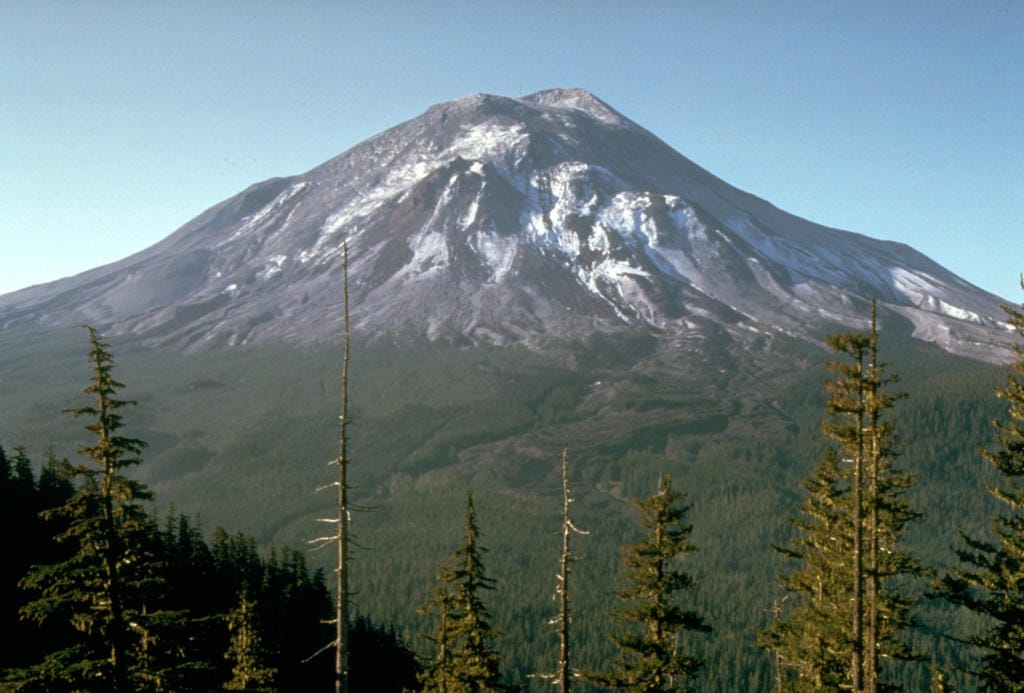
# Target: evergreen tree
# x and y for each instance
(290, 595)
(813, 644)
(438, 672)
(245, 651)
(850, 609)
(108, 588)
(465, 659)
(54, 486)
(22, 477)
(31, 544)
(18, 507)
(290, 605)
(650, 617)
(192, 602)
(991, 583)
(380, 660)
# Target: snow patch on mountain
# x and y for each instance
(430, 255)
(485, 141)
(273, 267)
(497, 253)
(561, 196)
(365, 203)
(266, 214)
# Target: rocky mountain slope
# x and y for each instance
(674, 324)
(498, 220)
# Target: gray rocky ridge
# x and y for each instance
(499, 220)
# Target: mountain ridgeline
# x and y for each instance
(523, 274)
(497, 220)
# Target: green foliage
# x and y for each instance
(811, 645)
(110, 592)
(851, 602)
(103, 589)
(650, 617)
(245, 651)
(465, 659)
(286, 614)
(990, 580)
(238, 437)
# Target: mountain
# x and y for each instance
(536, 220)
(525, 274)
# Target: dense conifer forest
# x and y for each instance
(105, 589)
(214, 584)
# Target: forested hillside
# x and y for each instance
(228, 446)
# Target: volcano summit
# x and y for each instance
(498, 220)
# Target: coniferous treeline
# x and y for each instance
(31, 541)
(99, 596)
(102, 596)
(213, 586)
(108, 599)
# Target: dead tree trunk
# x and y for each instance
(564, 672)
(341, 611)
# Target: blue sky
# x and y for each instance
(122, 120)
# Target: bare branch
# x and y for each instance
(329, 646)
(323, 542)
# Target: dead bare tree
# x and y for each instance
(564, 673)
(341, 536)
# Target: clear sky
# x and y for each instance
(899, 119)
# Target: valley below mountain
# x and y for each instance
(241, 438)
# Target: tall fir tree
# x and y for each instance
(438, 670)
(651, 618)
(991, 581)
(109, 588)
(850, 609)
(465, 660)
(812, 644)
